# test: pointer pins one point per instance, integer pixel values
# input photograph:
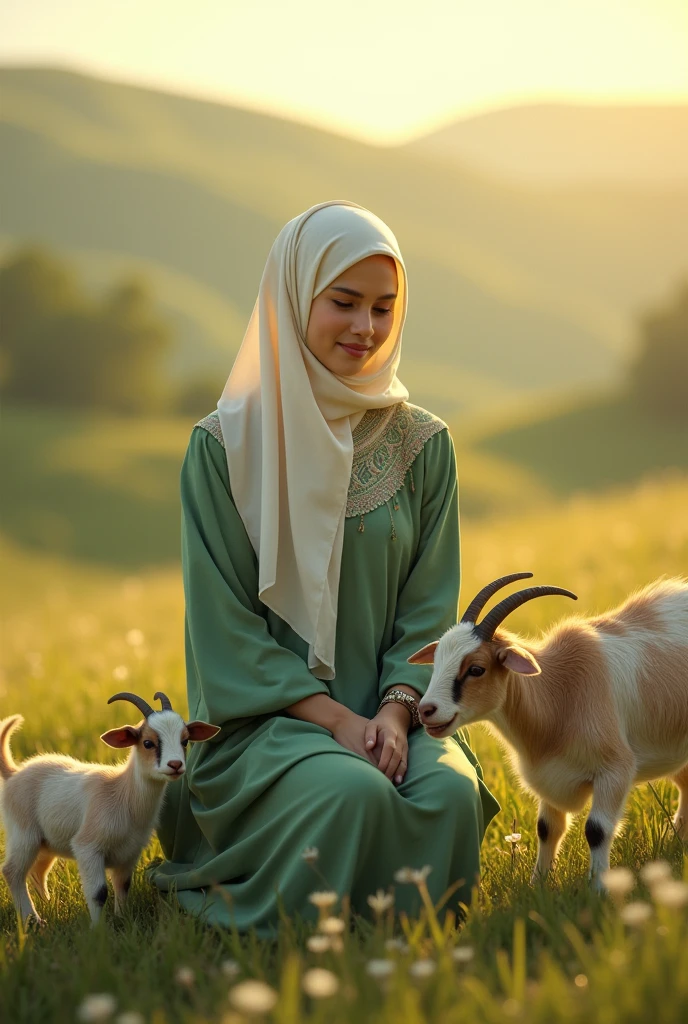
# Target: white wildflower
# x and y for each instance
(120, 673)
(513, 837)
(97, 1007)
(671, 893)
(581, 981)
(135, 638)
(252, 997)
(185, 977)
(403, 875)
(655, 871)
(419, 877)
(381, 901)
(230, 968)
(422, 968)
(319, 983)
(318, 943)
(380, 968)
(310, 854)
(323, 900)
(130, 1017)
(332, 926)
(635, 914)
(463, 954)
(396, 946)
(618, 881)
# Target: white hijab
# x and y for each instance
(287, 421)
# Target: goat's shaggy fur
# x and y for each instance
(590, 709)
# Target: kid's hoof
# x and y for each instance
(34, 923)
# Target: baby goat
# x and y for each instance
(609, 708)
(101, 815)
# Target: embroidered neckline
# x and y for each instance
(386, 443)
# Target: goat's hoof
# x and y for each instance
(34, 923)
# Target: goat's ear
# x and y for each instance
(127, 736)
(199, 731)
(518, 660)
(425, 656)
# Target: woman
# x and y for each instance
(320, 551)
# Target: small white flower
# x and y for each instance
(318, 943)
(513, 837)
(230, 968)
(97, 1007)
(381, 901)
(419, 877)
(319, 983)
(635, 914)
(252, 997)
(380, 968)
(310, 854)
(135, 638)
(463, 954)
(581, 981)
(655, 871)
(324, 900)
(671, 893)
(130, 1017)
(618, 881)
(120, 673)
(422, 968)
(403, 875)
(332, 926)
(396, 946)
(185, 977)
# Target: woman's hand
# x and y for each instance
(352, 731)
(387, 740)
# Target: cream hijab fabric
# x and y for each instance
(287, 421)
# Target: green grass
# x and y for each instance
(554, 953)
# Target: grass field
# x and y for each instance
(546, 954)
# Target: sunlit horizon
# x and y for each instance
(378, 72)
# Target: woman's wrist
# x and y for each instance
(319, 709)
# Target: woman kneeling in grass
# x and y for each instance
(320, 550)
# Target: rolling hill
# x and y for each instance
(513, 290)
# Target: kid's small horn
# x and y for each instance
(165, 701)
(137, 701)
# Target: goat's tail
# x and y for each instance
(7, 727)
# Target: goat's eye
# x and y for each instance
(148, 744)
(476, 670)
(185, 743)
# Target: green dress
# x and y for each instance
(269, 785)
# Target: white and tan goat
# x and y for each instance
(590, 709)
(100, 815)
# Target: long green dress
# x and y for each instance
(270, 785)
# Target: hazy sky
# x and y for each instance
(380, 70)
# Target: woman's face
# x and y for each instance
(353, 316)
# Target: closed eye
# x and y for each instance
(349, 305)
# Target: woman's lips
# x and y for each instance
(357, 351)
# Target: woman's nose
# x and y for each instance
(363, 327)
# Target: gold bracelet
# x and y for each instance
(409, 702)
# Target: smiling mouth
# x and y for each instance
(443, 729)
(357, 351)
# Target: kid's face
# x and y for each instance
(353, 316)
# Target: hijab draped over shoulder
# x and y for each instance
(287, 421)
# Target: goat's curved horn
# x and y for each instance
(164, 700)
(137, 701)
(486, 628)
(480, 600)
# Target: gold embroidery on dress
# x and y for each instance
(386, 442)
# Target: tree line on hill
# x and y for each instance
(61, 346)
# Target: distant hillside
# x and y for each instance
(511, 290)
(556, 144)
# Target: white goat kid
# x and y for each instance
(608, 709)
(100, 815)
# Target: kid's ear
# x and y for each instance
(425, 656)
(518, 660)
(127, 736)
(199, 731)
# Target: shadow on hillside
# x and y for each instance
(73, 489)
(591, 447)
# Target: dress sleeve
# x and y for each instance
(428, 601)
(235, 668)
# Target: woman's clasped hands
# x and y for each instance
(383, 740)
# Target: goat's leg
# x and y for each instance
(92, 871)
(551, 827)
(609, 792)
(681, 816)
(22, 849)
(121, 881)
(40, 870)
